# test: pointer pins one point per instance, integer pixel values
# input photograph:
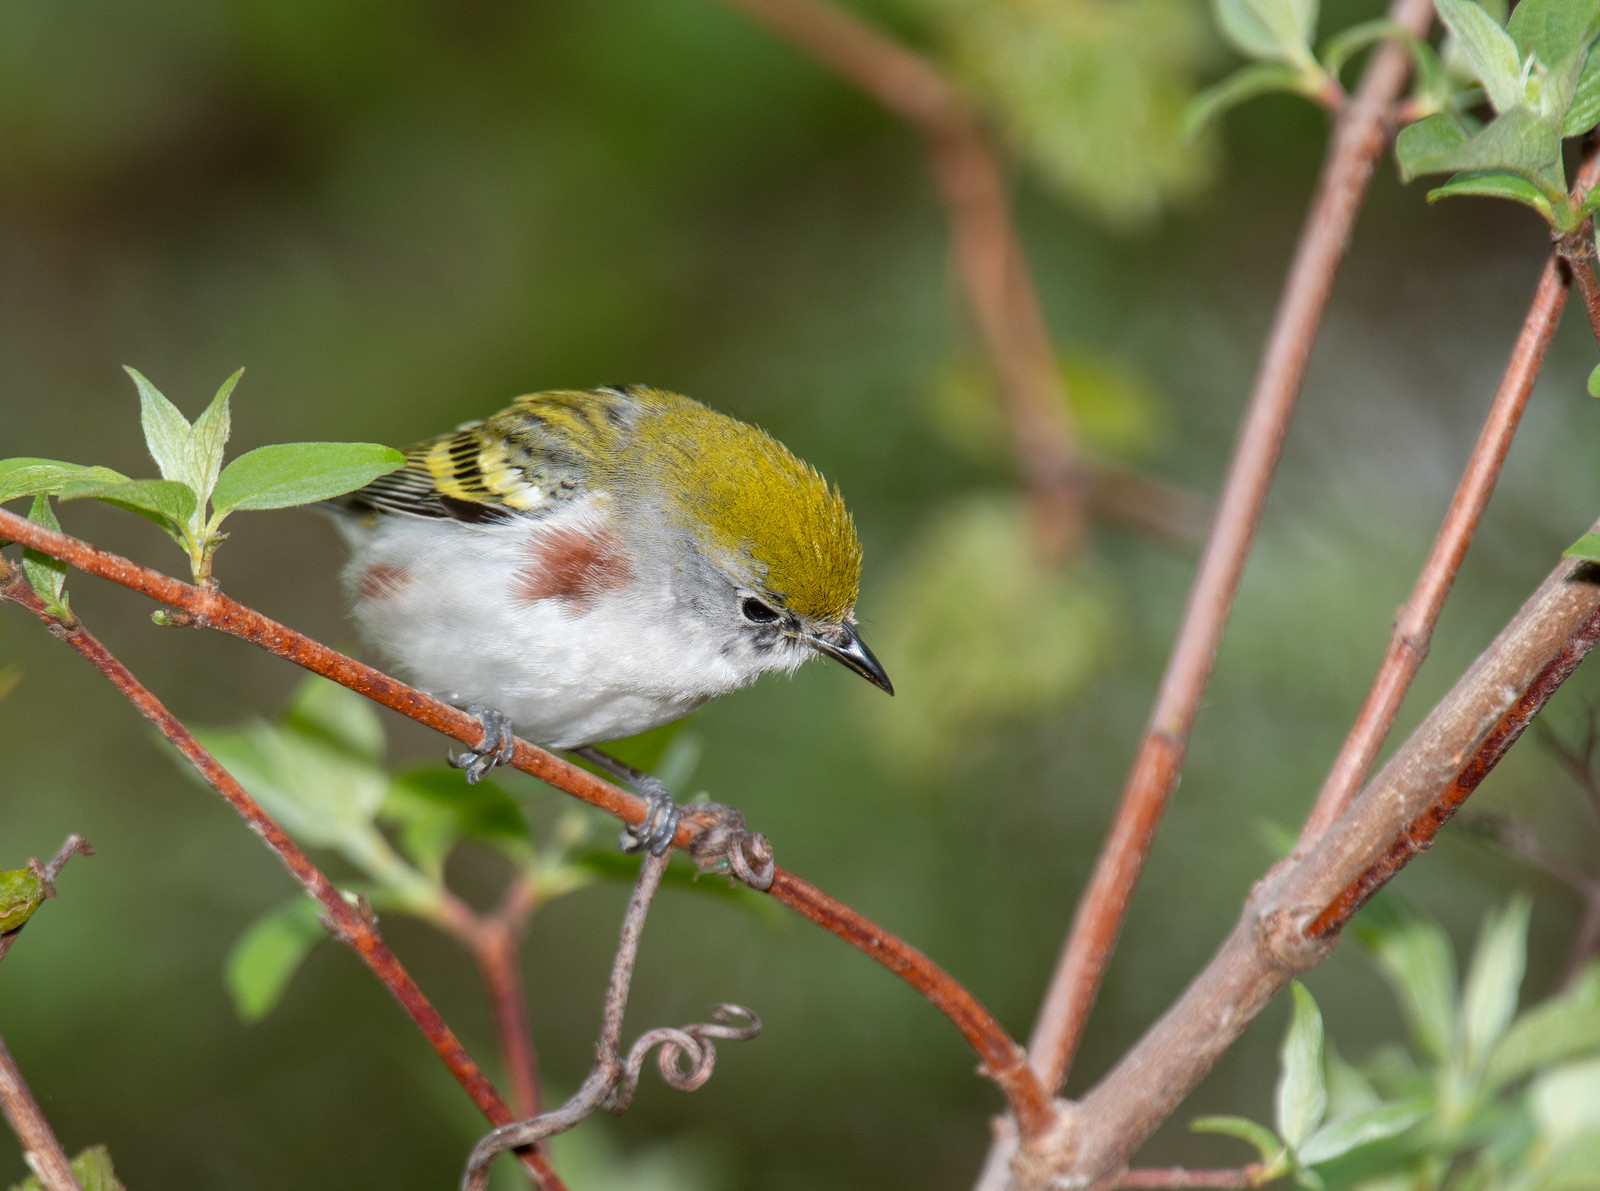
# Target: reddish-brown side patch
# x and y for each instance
(571, 564)
(381, 580)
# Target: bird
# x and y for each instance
(589, 564)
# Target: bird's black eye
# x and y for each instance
(756, 612)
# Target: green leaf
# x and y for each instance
(1280, 29)
(1584, 110)
(1350, 1093)
(1552, 29)
(435, 808)
(1566, 1101)
(1089, 94)
(47, 576)
(159, 500)
(1265, 1142)
(1562, 1028)
(1342, 46)
(166, 430)
(984, 631)
(208, 438)
(1243, 84)
(1413, 954)
(268, 954)
(1302, 1087)
(21, 892)
(1588, 546)
(1426, 140)
(1517, 141)
(1551, 92)
(319, 793)
(287, 474)
(93, 1169)
(336, 715)
(29, 477)
(1489, 50)
(1570, 1166)
(1489, 996)
(1351, 1133)
(1496, 184)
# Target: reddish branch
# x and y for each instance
(348, 923)
(1578, 251)
(993, 271)
(1002, 1060)
(1293, 915)
(495, 948)
(40, 1147)
(1360, 136)
(1413, 627)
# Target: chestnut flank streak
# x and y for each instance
(574, 565)
(381, 580)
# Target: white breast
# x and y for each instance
(559, 623)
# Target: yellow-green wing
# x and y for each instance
(524, 461)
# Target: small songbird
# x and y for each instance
(585, 565)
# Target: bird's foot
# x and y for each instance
(497, 747)
(656, 830)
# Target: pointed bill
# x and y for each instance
(846, 646)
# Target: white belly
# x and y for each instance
(448, 606)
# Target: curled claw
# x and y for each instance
(654, 834)
(498, 746)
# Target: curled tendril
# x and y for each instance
(725, 844)
(687, 1055)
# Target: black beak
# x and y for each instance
(848, 647)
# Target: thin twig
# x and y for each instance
(613, 1078)
(1521, 842)
(987, 250)
(1585, 940)
(74, 845)
(1360, 135)
(40, 1148)
(1002, 1059)
(1581, 263)
(603, 1076)
(496, 952)
(1237, 1178)
(1413, 627)
(347, 922)
(994, 273)
(1579, 766)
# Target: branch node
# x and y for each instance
(1281, 932)
(1040, 1159)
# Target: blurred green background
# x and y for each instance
(399, 215)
